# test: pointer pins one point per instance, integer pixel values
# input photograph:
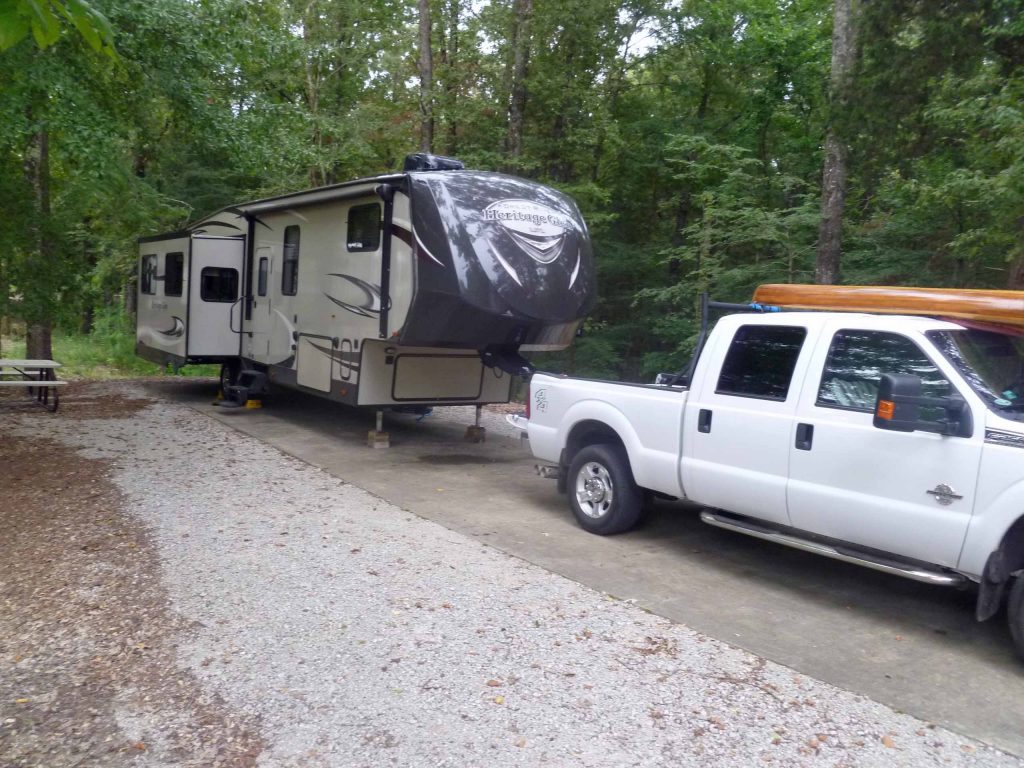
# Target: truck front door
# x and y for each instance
(738, 420)
(911, 493)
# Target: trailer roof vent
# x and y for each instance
(421, 161)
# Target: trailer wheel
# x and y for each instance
(602, 493)
(1015, 614)
(229, 376)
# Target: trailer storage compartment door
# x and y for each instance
(314, 362)
(390, 374)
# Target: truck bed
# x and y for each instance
(645, 418)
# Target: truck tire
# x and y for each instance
(1015, 614)
(602, 493)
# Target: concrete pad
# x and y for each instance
(911, 646)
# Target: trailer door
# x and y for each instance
(214, 310)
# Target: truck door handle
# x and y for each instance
(804, 436)
(704, 420)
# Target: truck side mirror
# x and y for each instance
(899, 402)
(664, 379)
(895, 407)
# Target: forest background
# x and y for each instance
(695, 135)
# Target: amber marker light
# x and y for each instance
(886, 409)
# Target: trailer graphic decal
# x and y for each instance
(540, 231)
(370, 304)
(177, 329)
(346, 358)
(421, 248)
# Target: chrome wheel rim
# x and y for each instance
(594, 491)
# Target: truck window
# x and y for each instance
(363, 228)
(290, 261)
(174, 273)
(147, 272)
(760, 361)
(992, 363)
(218, 284)
(855, 364)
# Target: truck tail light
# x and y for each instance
(528, 398)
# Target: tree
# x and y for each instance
(42, 19)
(834, 181)
(522, 11)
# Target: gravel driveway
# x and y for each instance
(313, 624)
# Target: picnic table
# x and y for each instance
(38, 377)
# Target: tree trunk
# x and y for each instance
(38, 341)
(36, 167)
(833, 200)
(522, 11)
(450, 55)
(131, 299)
(833, 182)
(318, 171)
(1016, 281)
(426, 80)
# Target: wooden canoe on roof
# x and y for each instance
(1001, 308)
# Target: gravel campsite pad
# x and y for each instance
(177, 594)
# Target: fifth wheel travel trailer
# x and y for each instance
(417, 288)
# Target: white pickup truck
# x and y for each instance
(892, 441)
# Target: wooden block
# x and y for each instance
(375, 439)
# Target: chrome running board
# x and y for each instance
(906, 570)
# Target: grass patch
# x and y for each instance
(106, 353)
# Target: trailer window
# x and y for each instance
(855, 364)
(218, 284)
(174, 273)
(147, 271)
(760, 361)
(261, 278)
(290, 261)
(363, 228)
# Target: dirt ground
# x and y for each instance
(87, 669)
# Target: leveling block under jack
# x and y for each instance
(221, 402)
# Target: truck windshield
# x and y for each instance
(992, 363)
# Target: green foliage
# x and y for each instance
(42, 19)
(690, 134)
(108, 352)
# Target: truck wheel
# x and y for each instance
(601, 491)
(1015, 613)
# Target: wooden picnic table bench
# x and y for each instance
(37, 376)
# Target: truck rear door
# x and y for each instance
(906, 492)
(738, 420)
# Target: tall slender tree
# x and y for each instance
(834, 175)
(522, 12)
(426, 66)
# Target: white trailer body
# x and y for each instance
(420, 288)
(188, 287)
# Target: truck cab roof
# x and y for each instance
(916, 323)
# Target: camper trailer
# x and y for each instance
(417, 288)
